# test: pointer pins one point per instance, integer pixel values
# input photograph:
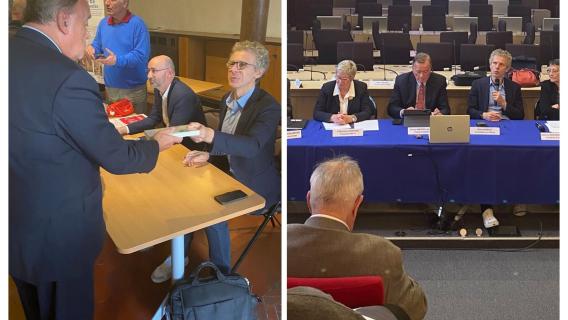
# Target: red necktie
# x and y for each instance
(420, 99)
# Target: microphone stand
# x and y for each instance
(383, 59)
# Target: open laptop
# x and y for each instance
(331, 22)
(514, 24)
(548, 23)
(416, 118)
(458, 8)
(297, 124)
(368, 24)
(462, 23)
(449, 129)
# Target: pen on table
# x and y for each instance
(352, 125)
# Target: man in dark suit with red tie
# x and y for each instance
(420, 89)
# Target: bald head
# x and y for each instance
(161, 72)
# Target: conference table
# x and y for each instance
(142, 210)
(514, 167)
(380, 83)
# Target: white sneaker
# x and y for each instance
(164, 271)
(489, 220)
(520, 210)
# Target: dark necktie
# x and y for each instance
(420, 99)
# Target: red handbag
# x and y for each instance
(120, 108)
(525, 77)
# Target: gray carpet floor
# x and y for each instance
(478, 284)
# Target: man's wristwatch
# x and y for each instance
(354, 118)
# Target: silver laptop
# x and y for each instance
(458, 8)
(331, 22)
(449, 129)
(417, 6)
(548, 23)
(514, 24)
(537, 15)
(462, 23)
(368, 24)
(499, 7)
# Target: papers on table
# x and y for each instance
(553, 126)
(367, 125)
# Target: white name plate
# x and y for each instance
(347, 133)
(294, 134)
(485, 131)
(380, 83)
(550, 136)
(418, 131)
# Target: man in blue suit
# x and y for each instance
(59, 137)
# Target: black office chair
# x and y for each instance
(327, 51)
(525, 50)
(400, 2)
(441, 3)
(395, 48)
(433, 18)
(368, 9)
(499, 38)
(484, 14)
(295, 57)
(478, 1)
(520, 11)
(472, 39)
(456, 38)
(502, 25)
(475, 56)
(374, 111)
(398, 16)
(316, 31)
(531, 33)
(441, 53)
(360, 52)
(296, 36)
(269, 215)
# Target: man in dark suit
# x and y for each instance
(325, 245)
(496, 97)
(59, 137)
(243, 145)
(175, 103)
(420, 89)
(343, 100)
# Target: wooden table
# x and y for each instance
(142, 210)
(304, 99)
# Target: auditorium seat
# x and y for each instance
(441, 54)
(441, 3)
(499, 38)
(398, 16)
(295, 57)
(359, 52)
(368, 9)
(475, 55)
(484, 14)
(457, 39)
(525, 50)
(520, 11)
(433, 18)
(328, 39)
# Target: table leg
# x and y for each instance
(178, 267)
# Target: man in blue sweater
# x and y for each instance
(122, 44)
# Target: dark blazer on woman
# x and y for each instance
(328, 104)
(404, 94)
(549, 96)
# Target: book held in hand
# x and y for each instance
(179, 131)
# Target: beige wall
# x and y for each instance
(216, 16)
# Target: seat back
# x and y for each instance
(525, 50)
(484, 14)
(354, 292)
(360, 52)
(295, 57)
(296, 36)
(441, 3)
(499, 38)
(475, 55)
(520, 11)
(433, 18)
(398, 16)
(455, 38)
(502, 25)
(472, 39)
(328, 39)
(441, 53)
(372, 9)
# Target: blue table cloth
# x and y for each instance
(515, 167)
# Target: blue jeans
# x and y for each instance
(219, 245)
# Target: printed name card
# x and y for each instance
(294, 134)
(485, 131)
(347, 133)
(380, 83)
(298, 83)
(550, 136)
(418, 131)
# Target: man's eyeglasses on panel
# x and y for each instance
(154, 70)
(240, 64)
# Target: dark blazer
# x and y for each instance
(251, 147)
(325, 248)
(184, 107)
(59, 137)
(478, 99)
(404, 94)
(549, 96)
(328, 104)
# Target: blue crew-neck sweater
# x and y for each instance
(130, 42)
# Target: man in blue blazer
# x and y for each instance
(175, 103)
(59, 137)
(344, 100)
(496, 97)
(408, 95)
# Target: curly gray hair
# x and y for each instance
(256, 48)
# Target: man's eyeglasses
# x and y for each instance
(240, 64)
(154, 70)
